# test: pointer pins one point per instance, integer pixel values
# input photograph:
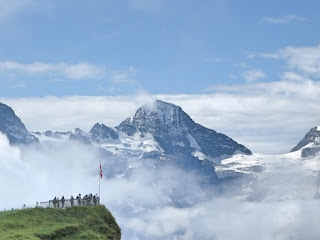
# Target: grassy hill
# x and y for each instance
(85, 222)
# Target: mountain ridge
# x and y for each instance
(310, 143)
(170, 129)
(13, 128)
(162, 132)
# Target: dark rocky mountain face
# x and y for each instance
(100, 132)
(216, 144)
(12, 126)
(78, 135)
(310, 144)
(176, 132)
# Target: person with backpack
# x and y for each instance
(79, 199)
(94, 199)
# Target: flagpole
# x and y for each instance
(99, 178)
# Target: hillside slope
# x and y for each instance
(50, 223)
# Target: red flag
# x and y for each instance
(100, 171)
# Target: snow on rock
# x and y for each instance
(199, 155)
(272, 177)
(13, 128)
(177, 133)
(193, 142)
(310, 144)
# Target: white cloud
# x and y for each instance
(69, 112)
(125, 76)
(303, 59)
(13, 7)
(81, 71)
(38, 173)
(253, 75)
(264, 55)
(292, 76)
(283, 20)
(227, 219)
(72, 71)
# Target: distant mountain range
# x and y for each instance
(162, 134)
(160, 131)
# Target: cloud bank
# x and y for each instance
(38, 173)
(142, 200)
(229, 219)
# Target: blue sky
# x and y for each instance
(106, 47)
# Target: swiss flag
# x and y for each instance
(100, 171)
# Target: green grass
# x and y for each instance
(86, 222)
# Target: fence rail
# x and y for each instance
(69, 203)
(90, 201)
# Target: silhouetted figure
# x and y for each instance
(71, 201)
(94, 199)
(87, 199)
(97, 198)
(79, 199)
(90, 199)
(54, 202)
(62, 201)
(84, 199)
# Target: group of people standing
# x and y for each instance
(56, 202)
(88, 199)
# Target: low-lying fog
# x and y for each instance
(149, 204)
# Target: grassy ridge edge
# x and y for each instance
(85, 222)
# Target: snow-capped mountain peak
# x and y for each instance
(12, 126)
(100, 133)
(176, 132)
(162, 113)
(160, 132)
(310, 144)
